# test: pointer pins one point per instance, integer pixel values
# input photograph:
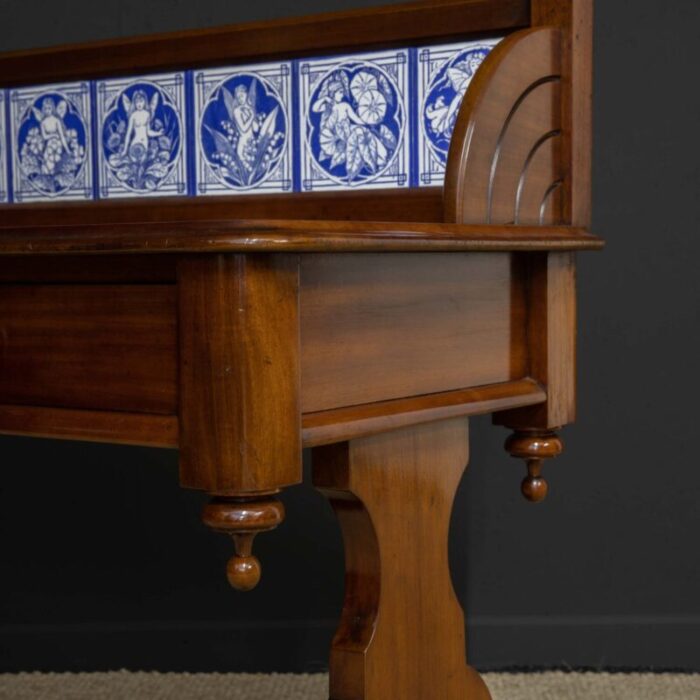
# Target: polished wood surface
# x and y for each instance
(378, 327)
(100, 347)
(242, 520)
(239, 373)
(369, 326)
(401, 632)
(574, 19)
(88, 269)
(416, 204)
(325, 427)
(521, 154)
(534, 446)
(503, 165)
(240, 433)
(338, 32)
(288, 236)
(551, 340)
(319, 428)
(150, 430)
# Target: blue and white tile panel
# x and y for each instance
(444, 74)
(50, 130)
(354, 125)
(243, 129)
(366, 120)
(142, 136)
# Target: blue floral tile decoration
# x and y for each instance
(141, 136)
(444, 74)
(4, 148)
(50, 130)
(353, 121)
(243, 129)
(356, 121)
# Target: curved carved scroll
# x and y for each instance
(505, 163)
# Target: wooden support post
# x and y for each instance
(401, 633)
(551, 348)
(240, 421)
(574, 18)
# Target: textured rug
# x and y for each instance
(124, 685)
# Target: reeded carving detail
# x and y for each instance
(242, 519)
(506, 159)
(534, 446)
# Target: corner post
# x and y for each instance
(551, 277)
(401, 633)
(550, 283)
(240, 419)
(575, 20)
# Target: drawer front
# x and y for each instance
(89, 346)
(385, 326)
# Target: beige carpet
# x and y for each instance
(153, 686)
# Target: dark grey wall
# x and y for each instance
(105, 564)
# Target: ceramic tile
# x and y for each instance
(353, 121)
(243, 129)
(4, 145)
(444, 73)
(141, 136)
(51, 155)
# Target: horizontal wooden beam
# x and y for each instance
(353, 422)
(92, 426)
(339, 32)
(319, 428)
(289, 236)
(390, 204)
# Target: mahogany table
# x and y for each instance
(367, 324)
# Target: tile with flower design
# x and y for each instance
(51, 152)
(353, 121)
(4, 144)
(444, 74)
(141, 136)
(243, 129)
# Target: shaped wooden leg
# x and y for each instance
(239, 427)
(401, 633)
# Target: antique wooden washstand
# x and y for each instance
(367, 325)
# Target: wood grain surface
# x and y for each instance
(89, 346)
(326, 427)
(118, 427)
(417, 204)
(237, 236)
(504, 164)
(338, 32)
(377, 327)
(240, 428)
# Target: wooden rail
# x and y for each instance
(289, 236)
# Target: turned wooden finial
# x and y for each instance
(243, 519)
(534, 446)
